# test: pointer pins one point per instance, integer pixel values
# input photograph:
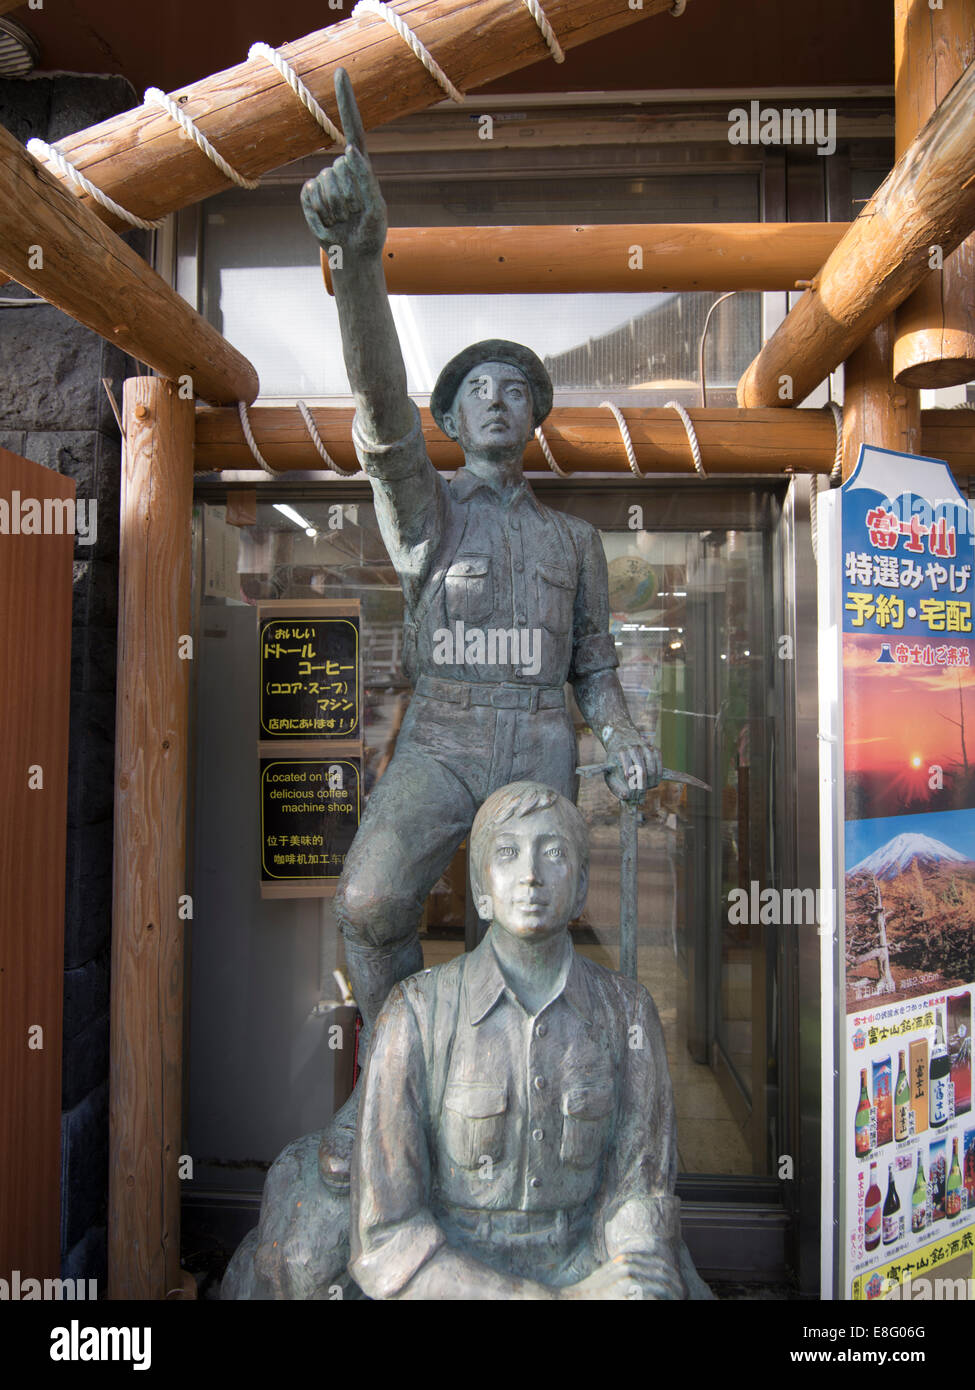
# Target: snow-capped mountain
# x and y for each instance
(897, 855)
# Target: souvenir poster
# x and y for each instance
(908, 945)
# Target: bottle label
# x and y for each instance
(893, 1228)
(942, 1101)
(871, 1225)
(873, 1126)
(919, 1218)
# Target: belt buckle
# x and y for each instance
(505, 697)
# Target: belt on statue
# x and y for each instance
(500, 696)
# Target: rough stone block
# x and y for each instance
(84, 1166)
(88, 1259)
(103, 592)
(85, 1061)
(25, 107)
(85, 997)
(91, 758)
(88, 893)
(13, 440)
(93, 659)
(73, 453)
(48, 372)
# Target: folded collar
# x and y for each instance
(465, 483)
(484, 984)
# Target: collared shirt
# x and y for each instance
(472, 1105)
(498, 589)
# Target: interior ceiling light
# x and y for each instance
(19, 52)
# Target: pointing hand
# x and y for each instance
(343, 206)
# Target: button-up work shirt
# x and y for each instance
(477, 1117)
(468, 558)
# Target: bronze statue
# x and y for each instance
(516, 1130)
(516, 1136)
(506, 600)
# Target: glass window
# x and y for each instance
(690, 617)
(263, 287)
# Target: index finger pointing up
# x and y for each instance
(348, 111)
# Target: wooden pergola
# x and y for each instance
(874, 299)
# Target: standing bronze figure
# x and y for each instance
(506, 601)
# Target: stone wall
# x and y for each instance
(54, 411)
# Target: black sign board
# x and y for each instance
(309, 816)
(309, 677)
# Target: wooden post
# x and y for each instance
(629, 257)
(875, 409)
(150, 842)
(51, 243)
(145, 162)
(927, 199)
(935, 340)
(35, 683)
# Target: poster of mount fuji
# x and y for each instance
(917, 873)
(907, 945)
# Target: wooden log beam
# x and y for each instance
(145, 1121)
(52, 244)
(578, 260)
(927, 199)
(585, 439)
(875, 409)
(935, 339)
(143, 160)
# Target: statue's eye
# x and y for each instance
(556, 852)
(506, 852)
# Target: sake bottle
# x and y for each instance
(939, 1078)
(893, 1224)
(953, 1190)
(902, 1102)
(919, 1200)
(871, 1212)
(861, 1120)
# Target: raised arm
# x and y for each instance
(344, 208)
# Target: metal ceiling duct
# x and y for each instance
(18, 50)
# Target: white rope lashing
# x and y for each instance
(316, 439)
(625, 435)
(154, 97)
(384, 11)
(835, 476)
(548, 33)
(691, 434)
(245, 425)
(549, 456)
(41, 150)
(321, 118)
(836, 472)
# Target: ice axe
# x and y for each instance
(630, 816)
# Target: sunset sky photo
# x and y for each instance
(900, 721)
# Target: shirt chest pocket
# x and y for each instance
(556, 595)
(587, 1113)
(469, 589)
(473, 1122)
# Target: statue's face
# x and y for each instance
(530, 879)
(493, 408)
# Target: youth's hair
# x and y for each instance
(524, 799)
